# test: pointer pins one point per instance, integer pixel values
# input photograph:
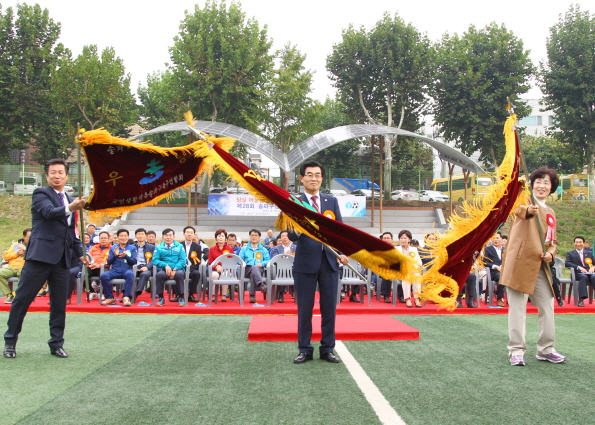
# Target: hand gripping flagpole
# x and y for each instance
(84, 275)
(510, 108)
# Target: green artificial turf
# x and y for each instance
(168, 369)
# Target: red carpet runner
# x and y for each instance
(347, 328)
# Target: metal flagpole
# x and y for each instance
(84, 275)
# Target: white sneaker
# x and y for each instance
(92, 296)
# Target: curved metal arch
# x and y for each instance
(314, 144)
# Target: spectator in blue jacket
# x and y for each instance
(121, 258)
(170, 259)
(256, 257)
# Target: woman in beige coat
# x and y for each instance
(526, 274)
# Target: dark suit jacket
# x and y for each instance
(280, 249)
(52, 237)
(149, 247)
(492, 258)
(194, 247)
(308, 252)
(573, 260)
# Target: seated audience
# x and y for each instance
(15, 255)
(196, 252)
(583, 263)
(256, 257)
(232, 241)
(99, 253)
(122, 257)
(152, 237)
(404, 247)
(493, 261)
(269, 237)
(170, 260)
(221, 247)
(285, 246)
(144, 260)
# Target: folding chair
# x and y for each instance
(279, 272)
(232, 274)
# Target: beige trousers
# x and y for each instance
(407, 289)
(543, 298)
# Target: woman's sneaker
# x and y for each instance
(551, 357)
(517, 360)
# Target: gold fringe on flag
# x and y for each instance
(434, 284)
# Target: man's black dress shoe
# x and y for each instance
(386, 299)
(280, 299)
(353, 298)
(459, 303)
(330, 357)
(58, 352)
(471, 304)
(302, 358)
(10, 352)
(192, 299)
(560, 303)
(581, 303)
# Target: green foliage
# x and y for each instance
(28, 56)
(568, 80)
(220, 64)
(290, 112)
(540, 151)
(342, 156)
(476, 72)
(382, 76)
(94, 90)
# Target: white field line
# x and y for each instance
(383, 409)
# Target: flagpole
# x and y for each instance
(84, 275)
(336, 254)
(533, 201)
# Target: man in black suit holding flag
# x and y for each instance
(48, 257)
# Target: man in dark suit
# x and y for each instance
(583, 262)
(493, 260)
(195, 252)
(48, 257)
(315, 264)
(144, 260)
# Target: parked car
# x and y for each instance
(338, 192)
(237, 191)
(218, 190)
(405, 195)
(26, 186)
(433, 195)
(69, 190)
(367, 193)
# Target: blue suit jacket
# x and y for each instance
(52, 237)
(309, 252)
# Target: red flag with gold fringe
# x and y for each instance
(128, 175)
(456, 251)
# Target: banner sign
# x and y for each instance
(249, 205)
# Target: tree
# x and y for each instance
(220, 64)
(28, 56)
(544, 151)
(94, 91)
(476, 72)
(568, 81)
(342, 158)
(382, 77)
(291, 113)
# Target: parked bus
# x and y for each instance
(575, 186)
(477, 185)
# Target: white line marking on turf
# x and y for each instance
(381, 406)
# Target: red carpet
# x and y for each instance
(347, 328)
(288, 307)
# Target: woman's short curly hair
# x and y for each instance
(541, 172)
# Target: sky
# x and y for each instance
(141, 32)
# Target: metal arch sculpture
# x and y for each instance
(314, 144)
